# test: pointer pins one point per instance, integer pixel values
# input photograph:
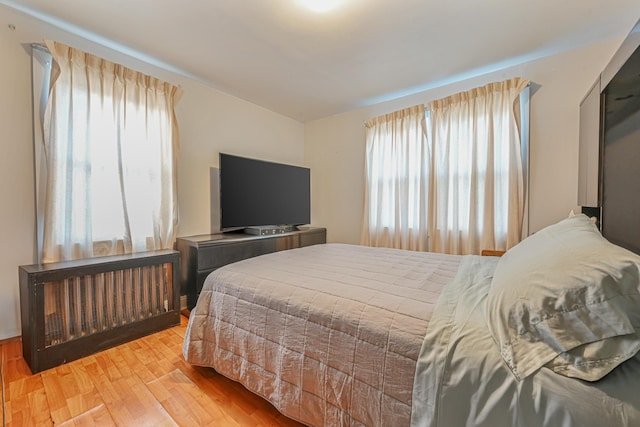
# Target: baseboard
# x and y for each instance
(10, 340)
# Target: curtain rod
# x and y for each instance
(40, 46)
(365, 121)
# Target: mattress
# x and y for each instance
(330, 334)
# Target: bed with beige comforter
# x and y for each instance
(344, 335)
(329, 334)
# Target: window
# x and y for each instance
(396, 190)
(110, 144)
(467, 167)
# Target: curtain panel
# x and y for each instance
(396, 166)
(111, 149)
(476, 175)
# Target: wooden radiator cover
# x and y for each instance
(76, 308)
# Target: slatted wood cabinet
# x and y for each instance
(202, 254)
(76, 308)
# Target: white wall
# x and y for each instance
(17, 218)
(334, 146)
(210, 121)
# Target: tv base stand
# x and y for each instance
(268, 230)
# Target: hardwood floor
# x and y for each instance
(145, 382)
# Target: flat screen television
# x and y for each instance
(257, 193)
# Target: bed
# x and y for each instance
(345, 335)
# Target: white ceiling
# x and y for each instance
(307, 65)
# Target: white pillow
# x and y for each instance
(566, 298)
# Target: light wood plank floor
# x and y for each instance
(145, 382)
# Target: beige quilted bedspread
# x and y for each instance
(329, 334)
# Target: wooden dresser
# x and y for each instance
(202, 254)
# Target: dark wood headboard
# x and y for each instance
(609, 154)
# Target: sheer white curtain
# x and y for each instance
(111, 147)
(476, 194)
(396, 169)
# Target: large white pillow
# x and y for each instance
(568, 299)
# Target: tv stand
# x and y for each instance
(269, 230)
(200, 255)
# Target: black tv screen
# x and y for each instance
(260, 193)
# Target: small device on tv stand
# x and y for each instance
(269, 230)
